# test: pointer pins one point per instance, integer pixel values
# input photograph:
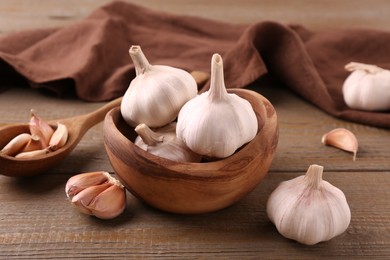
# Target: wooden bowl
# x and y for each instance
(192, 188)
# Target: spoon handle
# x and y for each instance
(84, 122)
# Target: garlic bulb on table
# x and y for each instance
(367, 87)
(309, 209)
(164, 143)
(216, 123)
(157, 93)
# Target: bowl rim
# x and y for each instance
(197, 169)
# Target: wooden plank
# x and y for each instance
(36, 220)
(40, 222)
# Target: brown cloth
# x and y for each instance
(90, 57)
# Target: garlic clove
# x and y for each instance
(82, 199)
(343, 139)
(108, 204)
(308, 209)
(81, 181)
(33, 144)
(40, 128)
(59, 137)
(32, 154)
(16, 144)
(96, 193)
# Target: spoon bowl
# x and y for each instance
(77, 127)
(192, 188)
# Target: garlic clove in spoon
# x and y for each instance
(308, 209)
(343, 139)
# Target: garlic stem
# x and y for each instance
(217, 85)
(313, 176)
(352, 66)
(141, 64)
(148, 136)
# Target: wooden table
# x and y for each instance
(37, 221)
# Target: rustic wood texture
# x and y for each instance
(37, 221)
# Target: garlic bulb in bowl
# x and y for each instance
(157, 93)
(163, 143)
(367, 87)
(216, 123)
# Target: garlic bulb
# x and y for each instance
(157, 93)
(164, 143)
(216, 123)
(367, 87)
(309, 209)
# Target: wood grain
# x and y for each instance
(37, 221)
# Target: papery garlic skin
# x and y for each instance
(96, 193)
(216, 123)
(367, 87)
(157, 93)
(164, 143)
(308, 209)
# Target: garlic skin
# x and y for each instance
(216, 123)
(157, 93)
(367, 87)
(308, 209)
(96, 193)
(164, 143)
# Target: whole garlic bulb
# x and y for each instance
(216, 123)
(309, 209)
(367, 87)
(157, 93)
(164, 143)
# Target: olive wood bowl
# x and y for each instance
(192, 188)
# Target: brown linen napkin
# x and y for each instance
(91, 58)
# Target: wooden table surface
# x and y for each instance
(37, 221)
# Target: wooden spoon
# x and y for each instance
(77, 127)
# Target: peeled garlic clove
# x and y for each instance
(59, 137)
(81, 181)
(82, 199)
(367, 87)
(164, 143)
(40, 128)
(110, 203)
(308, 209)
(343, 139)
(16, 144)
(216, 123)
(157, 93)
(32, 154)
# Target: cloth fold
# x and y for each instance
(90, 57)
